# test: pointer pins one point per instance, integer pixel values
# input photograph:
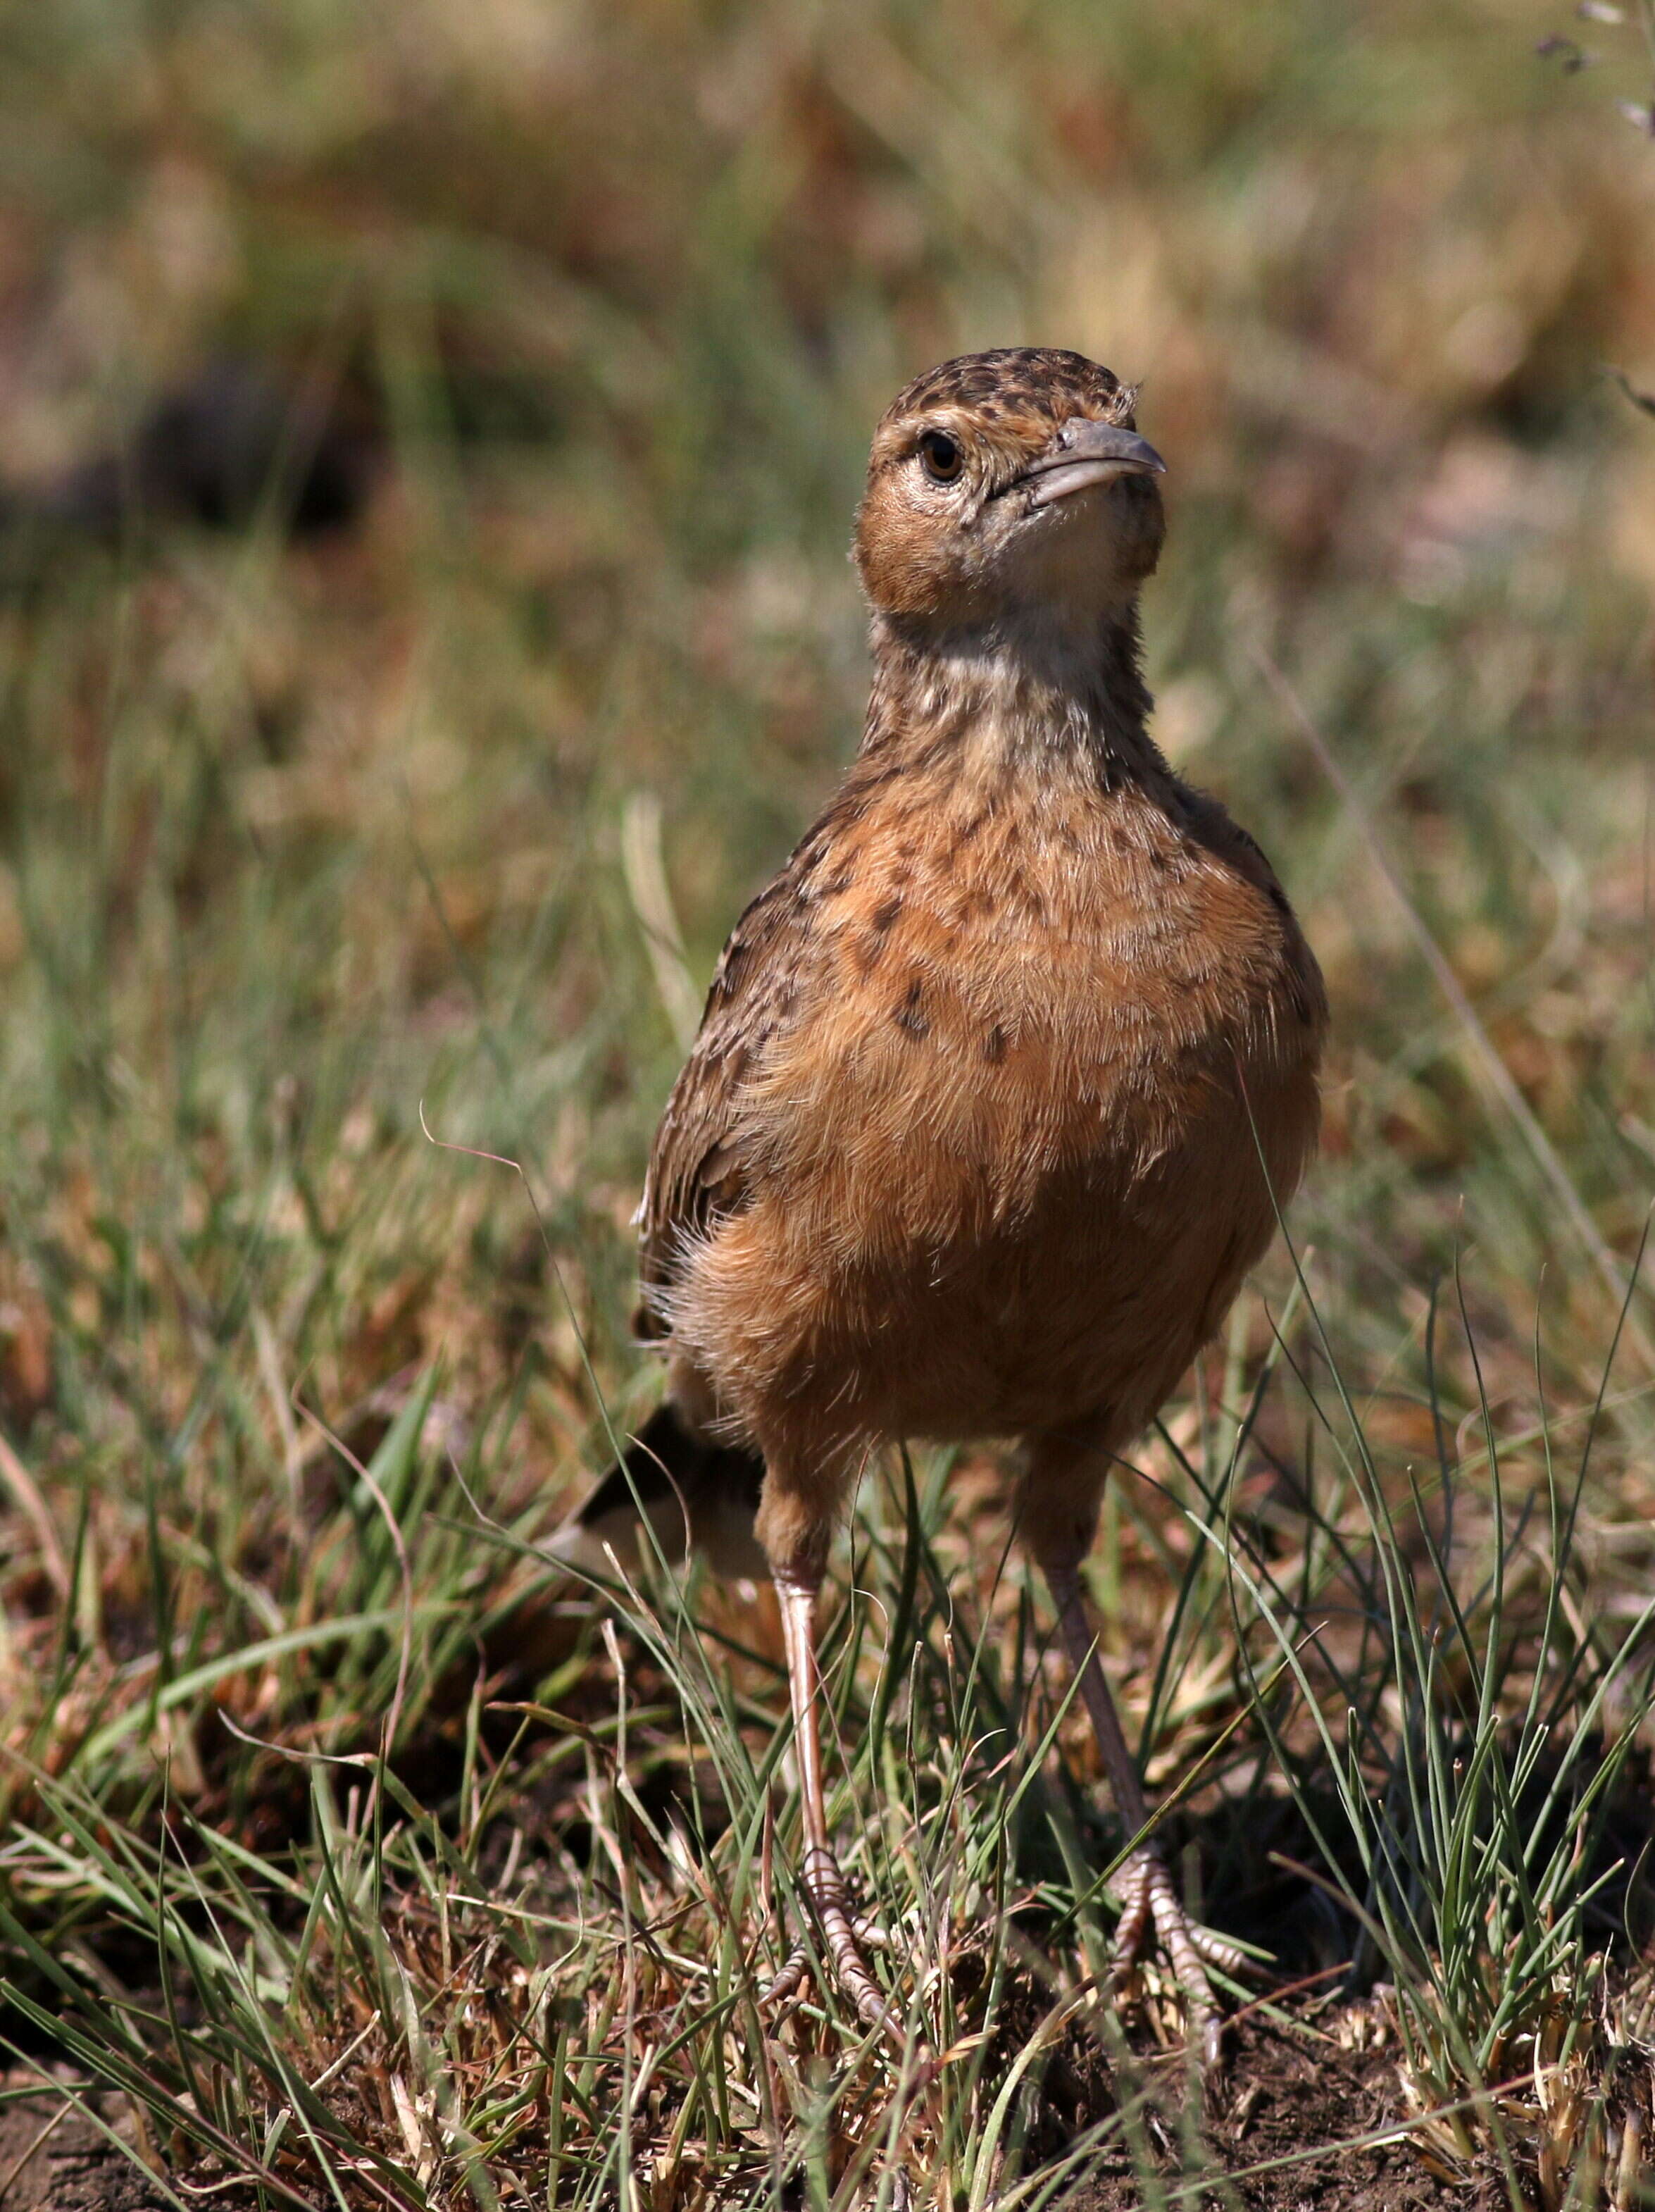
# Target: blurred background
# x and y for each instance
(429, 438)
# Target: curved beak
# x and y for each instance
(1084, 454)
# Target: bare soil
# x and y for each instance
(1282, 2096)
(54, 2159)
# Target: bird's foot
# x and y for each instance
(844, 1935)
(1151, 1907)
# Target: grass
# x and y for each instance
(367, 1855)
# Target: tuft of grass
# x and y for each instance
(1477, 1740)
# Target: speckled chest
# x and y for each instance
(1095, 918)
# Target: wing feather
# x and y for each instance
(699, 1166)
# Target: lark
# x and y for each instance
(1001, 1083)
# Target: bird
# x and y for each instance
(1002, 1082)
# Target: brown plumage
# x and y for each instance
(1002, 1080)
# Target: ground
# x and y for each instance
(1278, 2100)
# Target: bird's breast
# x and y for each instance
(1051, 1075)
(1006, 992)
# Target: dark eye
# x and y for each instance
(941, 456)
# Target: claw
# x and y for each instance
(825, 1886)
(1150, 1901)
(790, 1981)
(846, 1935)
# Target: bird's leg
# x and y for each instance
(824, 1881)
(1151, 1901)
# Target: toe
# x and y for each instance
(1136, 1913)
(790, 1980)
(1227, 1958)
(829, 1895)
(1151, 1904)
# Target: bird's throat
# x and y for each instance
(1001, 700)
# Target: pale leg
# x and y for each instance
(1058, 1517)
(824, 1882)
(1151, 1898)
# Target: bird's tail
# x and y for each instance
(694, 1493)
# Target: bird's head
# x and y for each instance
(1009, 487)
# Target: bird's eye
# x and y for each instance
(941, 456)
